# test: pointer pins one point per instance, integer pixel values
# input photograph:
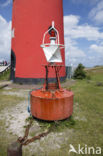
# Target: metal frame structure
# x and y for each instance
(57, 69)
(57, 38)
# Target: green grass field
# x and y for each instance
(87, 118)
(89, 100)
(85, 125)
(5, 76)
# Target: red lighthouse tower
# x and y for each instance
(30, 19)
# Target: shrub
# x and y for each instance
(79, 73)
(88, 77)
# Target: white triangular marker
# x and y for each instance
(52, 53)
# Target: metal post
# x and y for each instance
(46, 67)
(56, 72)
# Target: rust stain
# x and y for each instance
(51, 104)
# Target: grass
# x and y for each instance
(86, 123)
(87, 119)
(89, 98)
(7, 101)
(5, 76)
(57, 126)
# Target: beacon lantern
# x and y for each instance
(52, 49)
(52, 102)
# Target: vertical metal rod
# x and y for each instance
(46, 68)
(56, 72)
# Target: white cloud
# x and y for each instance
(97, 48)
(6, 3)
(73, 53)
(96, 14)
(71, 21)
(99, 17)
(73, 31)
(5, 38)
(72, 50)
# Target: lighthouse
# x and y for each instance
(30, 19)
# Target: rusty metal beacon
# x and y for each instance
(52, 102)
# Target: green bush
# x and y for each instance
(79, 73)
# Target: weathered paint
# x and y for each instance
(51, 104)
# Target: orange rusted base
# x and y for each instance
(51, 105)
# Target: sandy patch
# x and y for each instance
(83, 118)
(20, 93)
(52, 141)
(7, 88)
(15, 118)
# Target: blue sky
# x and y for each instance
(83, 27)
